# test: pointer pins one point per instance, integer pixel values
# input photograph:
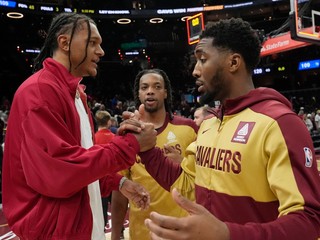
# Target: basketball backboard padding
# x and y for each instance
(305, 20)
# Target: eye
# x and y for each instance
(92, 42)
(202, 60)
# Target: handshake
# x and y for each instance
(144, 132)
(146, 135)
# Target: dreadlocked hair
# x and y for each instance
(61, 24)
(167, 86)
(236, 35)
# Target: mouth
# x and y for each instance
(95, 62)
(149, 100)
(200, 85)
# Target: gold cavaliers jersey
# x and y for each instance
(254, 168)
(245, 159)
(178, 133)
(261, 160)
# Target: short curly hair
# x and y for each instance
(236, 35)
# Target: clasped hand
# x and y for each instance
(144, 132)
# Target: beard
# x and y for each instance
(207, 98)
(150, 109)
(216, 90)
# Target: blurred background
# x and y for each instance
(156, 36)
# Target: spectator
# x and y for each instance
(308, 122)
(114, 125)
(103, 136)
(301, 112)
(200, 113)
(317, 120)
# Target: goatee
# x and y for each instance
(207, 98)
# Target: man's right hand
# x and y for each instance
(144, 132)
(132, 122)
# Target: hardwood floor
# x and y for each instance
(5, 232)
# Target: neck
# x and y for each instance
(156, 118)
(243, 85)
(100, 128)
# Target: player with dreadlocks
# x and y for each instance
(167, 86)
(51, 169)
(152, 88)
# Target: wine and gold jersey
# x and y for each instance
(254, 168)
(178, 133)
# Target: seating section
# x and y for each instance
(316, 142)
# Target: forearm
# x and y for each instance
(162, 169)
(109, 183)
(63, 166)
(119, 207)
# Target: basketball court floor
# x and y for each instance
(6, 233)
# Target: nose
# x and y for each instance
(150, 90)
(196, 71)
(100, 51)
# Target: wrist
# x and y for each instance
(122, 180)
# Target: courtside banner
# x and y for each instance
(280, 44)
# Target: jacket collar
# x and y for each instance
(63, 75)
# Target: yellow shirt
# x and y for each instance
(179, 133)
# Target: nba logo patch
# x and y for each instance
(308, 157)
(243, 132)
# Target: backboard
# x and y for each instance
(305, 20)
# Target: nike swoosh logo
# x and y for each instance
(205, 130)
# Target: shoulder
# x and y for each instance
(273, 109)
(35, 92)
(183, 121)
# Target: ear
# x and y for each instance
(63, 42)
(235, 62)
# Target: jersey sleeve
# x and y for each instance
(185, 183)
(170, 174)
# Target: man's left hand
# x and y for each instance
(136, 193)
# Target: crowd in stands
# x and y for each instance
(312, 122)
(308, 110)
